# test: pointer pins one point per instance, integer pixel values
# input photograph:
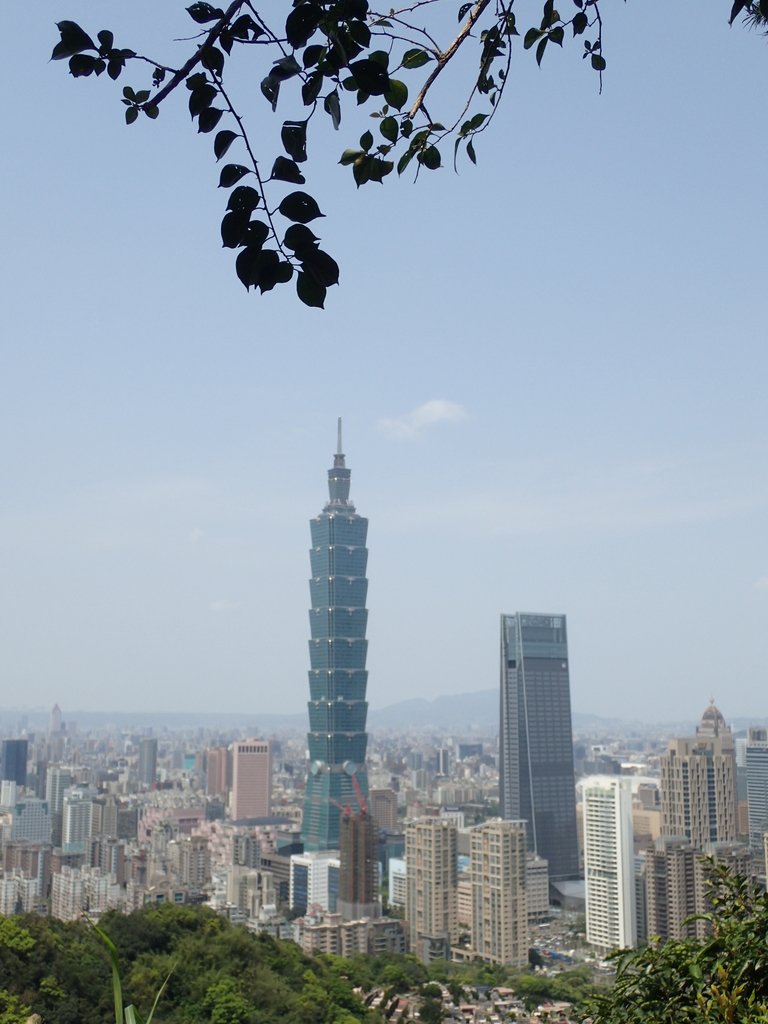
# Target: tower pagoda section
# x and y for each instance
(337, 740)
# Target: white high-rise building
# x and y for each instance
(609, 862)
(77, 819)
(314, 880)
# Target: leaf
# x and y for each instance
(413, 59)
(349, 156)
(152, 111)
(312, 55)
(299, 238)
(540, 49)
(287, 170)
(231, 174)
(310, 90)
(257, 266)
(598, 62)
(257, 234)
(471, 151)
(131, 114)
(370, 76)
(243, 198)
(73, 40)
(270, 88)
(208, 119)
(301, 24)
(736, 10)
(222, 142)
(201, 98)
(213, 59)
(202, 13)
(234, 226)
(294, 138)
(323, 267)
(361, 34)
(285, 68)
(332, 106)
(81, 65)
(556, 35)
(366, 141)
(310, 291)
(531, 36)
(430, 158)
(397, 94)
(389, 129)
(464, 10)
(284, 272)
(579, 23)
(300, 208)
(404, 160)
(106, 41)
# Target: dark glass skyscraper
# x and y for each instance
(535, 739)
(13, 761)
(337, 739)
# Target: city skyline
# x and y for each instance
(553, 388)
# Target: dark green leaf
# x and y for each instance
(332, 106)
(556, 35)
(360, 33)
(201, 98)
(389, 129)
(231, 174)
(114, 68)
(312, 55)
(270, 88)
(285, 68)
(131, 114)
(323, 267)
(310, 291)
(580, 23)
(471, 151)
(301, 24)
(287, 170)
(209, 119)
(233, 228)
(370, 76)
(430, 158)
(541, 48)
(531, 36)
(736, 10)
(294, 138)
(106, 41)
(243, 198)
(310, 90)
(284, 272)
(464, 10)
(299, 238)
(213, 59)
(72, 41)
(251, 263)
(244, 26)
(99, 66)
(152, 111)
(598, 62)
(81, 65)
(415, 59)
(300, 208)
(222, 142)
(202, 13)
(361, 170)
(397, 94)
(349, 156)
(366, 141)
(257, 234)
(404, 160)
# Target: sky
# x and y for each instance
(551, 369)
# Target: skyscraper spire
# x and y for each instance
(338, 479)
(339, 449)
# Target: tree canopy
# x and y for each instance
(322, 55)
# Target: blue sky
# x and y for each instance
(551, 368)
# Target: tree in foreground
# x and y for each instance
(322, 54)
(720, 980)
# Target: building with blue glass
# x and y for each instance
(536, 774)
(337, 739)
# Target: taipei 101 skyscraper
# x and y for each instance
(337, 739)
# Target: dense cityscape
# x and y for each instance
(532, 844)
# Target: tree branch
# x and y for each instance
(445, 57)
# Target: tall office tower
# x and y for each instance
(251, 779)
(147, 770)
(314, 881)
(358, 867)
(757, 785)
(216, 771)
(431, 877)
(535, 739)
(13, 761)
(609, 862)
(498, 865)
(337, 739)
(59, 778)
(698, 784)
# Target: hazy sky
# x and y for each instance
(552, 371)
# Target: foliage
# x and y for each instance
(324, 55)
(719, 980)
